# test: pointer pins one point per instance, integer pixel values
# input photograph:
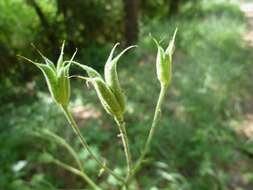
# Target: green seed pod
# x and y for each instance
(105, 95)
(164, 62)
(107, 98)
(51, 80)
(108, 90)
(111, 76)
(63, 85)
(50, 76)
(57, 79)
(162, 69)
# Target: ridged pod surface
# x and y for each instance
(111, 76)
(164, 61)
(57, 78)
(108, 89)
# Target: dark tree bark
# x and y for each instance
(173, 7)
(49, 32)
(62, 8)
(40, 14)
(7, 56)
(131, 30)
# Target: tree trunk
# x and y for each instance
(131, 30)
(49, 32)
(173, 7)
(62, 8)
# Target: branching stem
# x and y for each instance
(74, 126)
(64, 143)
(77, 172)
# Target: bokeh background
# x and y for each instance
(204, 139)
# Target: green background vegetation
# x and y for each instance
(197, 145)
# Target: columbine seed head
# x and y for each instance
(107, 98)
(57, 78)
(164, 61)
(108, 89)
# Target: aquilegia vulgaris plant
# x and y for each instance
(113, 100)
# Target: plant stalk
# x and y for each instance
(123, 134)
(152, 130)
(74, 126)
(62, 142)
(77, 172)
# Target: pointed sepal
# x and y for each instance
(111, 76)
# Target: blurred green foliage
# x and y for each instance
(196, 146)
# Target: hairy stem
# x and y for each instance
(77, 172)
(85, 144)
(152, 130)
(124, 138)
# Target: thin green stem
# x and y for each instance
(77, 172)
(123, 134)
(124, 187)
(63, 143)
(152, 130)
(85, 144)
